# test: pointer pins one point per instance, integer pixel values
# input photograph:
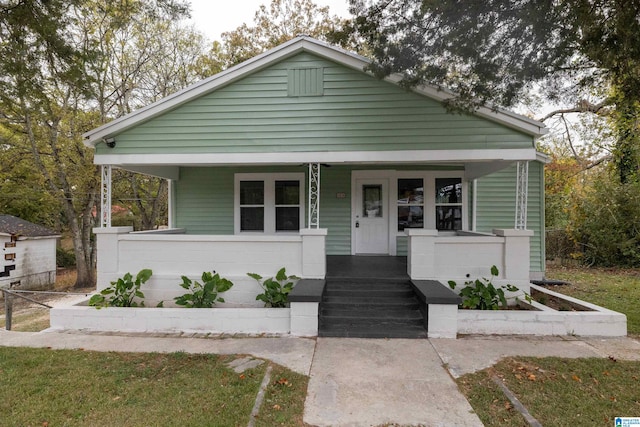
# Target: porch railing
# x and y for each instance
(172, 253)
(468, 255)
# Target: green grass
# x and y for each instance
(77, 388)
(615, 289)
(283, 403)
(557, 392)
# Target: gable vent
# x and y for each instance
(306, 81)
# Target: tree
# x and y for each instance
(281, 21)
(491, 52)
(59, 80)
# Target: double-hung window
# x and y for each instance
(410, 203)
(269, 203)
(448, 204)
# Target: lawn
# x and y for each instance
(557, 392)
(615, 289)
(73, 387)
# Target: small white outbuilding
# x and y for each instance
(28, 259)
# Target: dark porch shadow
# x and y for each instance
(349, 266)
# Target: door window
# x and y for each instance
(372, 201)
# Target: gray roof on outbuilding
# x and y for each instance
(10, 224)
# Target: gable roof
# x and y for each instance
(283, 51)
(12, 225)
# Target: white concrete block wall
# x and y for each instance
(304, 319)
(215, 321)
(469, 256)
(170, 256)
(442, 320)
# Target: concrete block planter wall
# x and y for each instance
(203, 320)
(598, 321)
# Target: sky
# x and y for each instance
(214, 17)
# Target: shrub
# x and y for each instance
(604, 222)
(65, 258)
(122, 293)
(275, 289)
(205, 294)
(481, 294)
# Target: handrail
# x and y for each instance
(10, 293)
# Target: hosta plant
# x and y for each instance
(275, 288)
(205, 294)
(124, 292)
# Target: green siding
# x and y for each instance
(204, 197)
(204, 200)
(335, 213)
(496, 206)
(355, 112)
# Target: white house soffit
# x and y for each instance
(475, 170)
(351, 157)
(166, 172)
(224, 78)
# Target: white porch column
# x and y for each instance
(314, 258)
(516, 256)
(522, 195)
(105, 197)
(108, 254)
(170, 204)
(421, 253)
(314, 195)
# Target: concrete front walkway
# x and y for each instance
(360, 382)
(370, 382)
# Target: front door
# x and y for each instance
(371, 214)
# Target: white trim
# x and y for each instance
(355, 157)
(269, 180)
(285, 50)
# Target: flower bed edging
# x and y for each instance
(203, 320)
(599, 322)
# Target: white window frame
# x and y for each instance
(429, 181)
(269, 180)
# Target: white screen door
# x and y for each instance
(371, 220)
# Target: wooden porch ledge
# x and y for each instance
(434, 292)
(307, 290)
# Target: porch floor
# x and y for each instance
(366, 267)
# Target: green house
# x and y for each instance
(299, 154)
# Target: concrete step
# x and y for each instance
(371, 313)
(380, 304)
(403, 331)
(373, 292)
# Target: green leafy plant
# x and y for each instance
(481, 294)
(122, 292)
(205, 294)
(275, 289)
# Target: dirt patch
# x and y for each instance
(559, 304)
